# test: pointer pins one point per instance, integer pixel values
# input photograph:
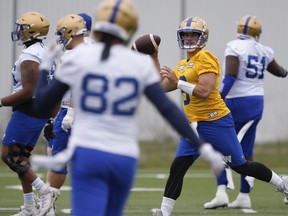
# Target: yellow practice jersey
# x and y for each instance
(197, 109)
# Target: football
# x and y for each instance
(147, 44)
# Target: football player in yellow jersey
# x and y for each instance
(197, 77)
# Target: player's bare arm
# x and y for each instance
(29, 75)
(276, 69)
(200, 90)
(154, 56)
(205, 85)
(232, 65)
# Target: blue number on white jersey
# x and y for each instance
(99, 94)
(253, 61)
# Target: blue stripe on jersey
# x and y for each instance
(246, 25)
(189, 21)
(116, 8)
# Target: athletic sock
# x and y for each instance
(38, 183)
(167, 206)
(276, 180)
(221, 189)
(28, 198)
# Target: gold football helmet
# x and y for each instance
(69, 26)
(116, 17)
(29, 26)
(249, 26)
(193, 25)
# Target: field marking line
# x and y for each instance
(249, 211)
(9, 209)
(68, 188)
(148, 175)
(66, 211)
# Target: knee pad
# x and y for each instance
(15, 159)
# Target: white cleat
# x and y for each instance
(284, 189)
(220, 200)
(37, 203)
(242, 202)
(55, 195)
(51, 212)
(27, 210)
(156, 212)
(46, 201)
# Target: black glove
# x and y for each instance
(48, 130)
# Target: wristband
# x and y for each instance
(186, 87)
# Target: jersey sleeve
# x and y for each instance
(230, 49)
(208, 63)
(32, 53)
(28, 57)
(269, 54)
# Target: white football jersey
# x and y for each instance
(32, 53)
(253, 61)
(105, 96)
(66, 98)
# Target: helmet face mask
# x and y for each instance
(249, 27)
(61, 37)
(18, 34)
(192, 26)
(31, 25)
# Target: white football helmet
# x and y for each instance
(116, 17)
(249, 26)
(193, 25)
(29, 26)
(68, 27)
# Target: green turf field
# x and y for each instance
(199, 186)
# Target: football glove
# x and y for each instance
(48, 130)
(68, 119)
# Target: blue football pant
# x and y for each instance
(61, 140)
(101, 182)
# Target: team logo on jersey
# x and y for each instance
(190, 65)
(181, 67)
(211, 115)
